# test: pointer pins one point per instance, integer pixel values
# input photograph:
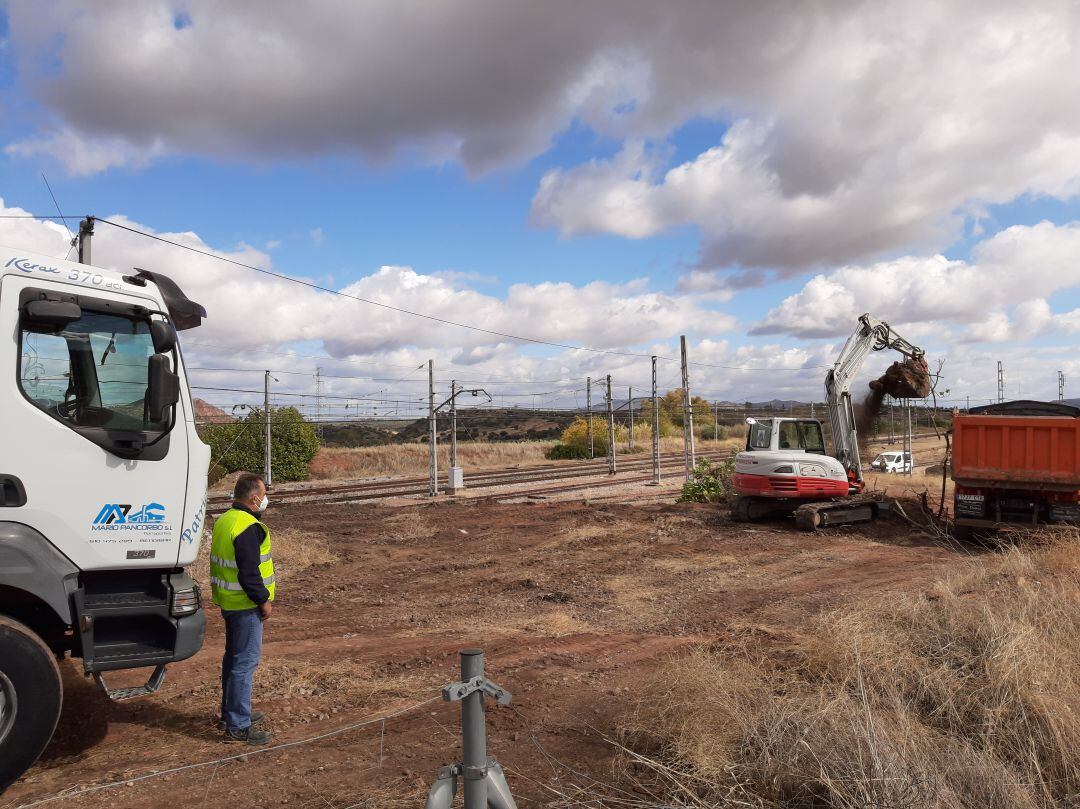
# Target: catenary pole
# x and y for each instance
(655, 428)
(588, 414)
(610, 429)
(267, 465)
(630, 407)
(86, 233)
(433, 455)
(688, 412)
(453, 423)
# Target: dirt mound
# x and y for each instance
(909, 379)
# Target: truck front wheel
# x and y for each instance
(31, 693)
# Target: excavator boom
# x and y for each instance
(909, 379)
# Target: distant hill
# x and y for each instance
(502, 424)
(206, 413)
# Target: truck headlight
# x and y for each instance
(186, 601)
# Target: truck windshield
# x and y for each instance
(92, 374)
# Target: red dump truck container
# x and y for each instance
(1016, 463)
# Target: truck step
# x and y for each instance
(121, 694)
(102, 601)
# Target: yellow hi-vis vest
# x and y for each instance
(224, 578)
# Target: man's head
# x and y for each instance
(250, 491)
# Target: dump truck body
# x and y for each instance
(1017, 463)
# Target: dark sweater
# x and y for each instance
(246, 547)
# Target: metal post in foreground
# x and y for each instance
(485, 784)
(433, 458)
(610, 429)
(267, 466)
(688, 413)
(473, 733)
(655, 428)
(588, 413)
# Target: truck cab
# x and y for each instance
(102, 486)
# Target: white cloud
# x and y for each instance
(598, 314)
(857, 129)
(82, 155)
(1017, 270)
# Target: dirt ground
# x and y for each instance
(573, 603)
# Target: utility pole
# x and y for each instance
(318, 402)
(453, 423)
(1001, 383)
(610, 429)
(86, 232)
(588, 416)
(655, 428)
(967, 406)
(630, 407)
(433, 457)
(716, 421)
(267, 467)
(688, 413)
(908, 456)
(1061, 386)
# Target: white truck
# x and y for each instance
(102, 486)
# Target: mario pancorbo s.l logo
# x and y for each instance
(123, 516)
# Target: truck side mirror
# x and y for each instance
(163, 387)
(52, 315)
(163, 336)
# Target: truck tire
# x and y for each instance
(31, 693)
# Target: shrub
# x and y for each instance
(710, 483)
(240, 445)
(566, 452)
(577, 434)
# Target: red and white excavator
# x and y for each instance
(785, 467)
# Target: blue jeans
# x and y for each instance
(243, 648)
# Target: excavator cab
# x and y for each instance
(785, 434)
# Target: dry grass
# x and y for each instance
(412, 459)
(396, 460)
(967, 695)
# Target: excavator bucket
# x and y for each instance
(909, 379)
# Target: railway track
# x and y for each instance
(405, 487)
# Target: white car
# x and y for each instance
(893, 462)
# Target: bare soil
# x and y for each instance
(574, 605)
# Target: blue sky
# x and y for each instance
(631, 153)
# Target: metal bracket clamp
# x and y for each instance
(458, 691)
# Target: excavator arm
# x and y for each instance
(871, 335)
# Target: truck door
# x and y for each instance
(105, 481)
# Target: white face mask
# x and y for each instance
(264, 503)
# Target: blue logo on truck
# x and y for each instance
(122, 514)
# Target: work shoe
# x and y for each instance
(252, 736)
(257, 718)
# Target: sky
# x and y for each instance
(604, 176)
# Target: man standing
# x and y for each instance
(242, 583)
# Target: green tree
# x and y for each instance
(239, 445)
(671, 413)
